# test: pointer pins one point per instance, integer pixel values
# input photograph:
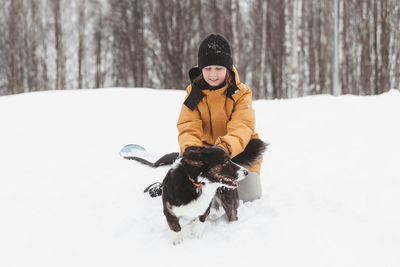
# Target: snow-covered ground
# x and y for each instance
(331, 183)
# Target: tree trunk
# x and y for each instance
(235, 32)
(261, 87)
(81, 41)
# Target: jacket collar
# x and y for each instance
(196, 93)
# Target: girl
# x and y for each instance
(218, 109)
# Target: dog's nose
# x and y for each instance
(246, 172)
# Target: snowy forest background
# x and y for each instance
(282, 48)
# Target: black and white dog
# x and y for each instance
(192, 183)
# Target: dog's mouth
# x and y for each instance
(229, 182)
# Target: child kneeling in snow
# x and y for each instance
(218, 110)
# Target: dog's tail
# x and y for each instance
(164, 160)
(253, 151)
(154, 190)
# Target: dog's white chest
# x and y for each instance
(197, 207)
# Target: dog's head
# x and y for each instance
(214, 165)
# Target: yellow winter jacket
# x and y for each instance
(222, 117)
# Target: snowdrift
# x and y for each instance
(330, 183)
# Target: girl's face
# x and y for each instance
(214, 75)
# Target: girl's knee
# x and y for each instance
(250, 188)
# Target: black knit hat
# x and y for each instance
(215, 50)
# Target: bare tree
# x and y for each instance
(364, 33)
(56, 8)
(384, 81)
(261, 85)
(258, 33)
(98, 50)
(277, 51)
(310, 45)
(235, 30)
(173, 20)
(293, 35)
(11, 51)
(81, 40)
(395, 54)
(129, 48)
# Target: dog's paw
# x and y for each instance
(177, 241)
(198, 228)
(176, 238)
(154, 190)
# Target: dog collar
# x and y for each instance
(199, 186)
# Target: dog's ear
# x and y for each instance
(194, 155)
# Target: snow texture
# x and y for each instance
(331, 183)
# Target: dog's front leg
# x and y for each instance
(176, 232)
(230, 203)
(173, 223)
(203, 217)
(198, 223)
